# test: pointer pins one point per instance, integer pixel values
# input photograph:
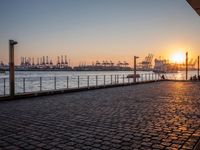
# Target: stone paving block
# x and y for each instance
(161, 115)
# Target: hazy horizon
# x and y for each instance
(93, 30)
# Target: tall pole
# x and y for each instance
(11, 67)
(198, 67)
(186, 65)
(135, 65)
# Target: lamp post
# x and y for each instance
(11, 67)
(135, 64)
(198, 67)
(186, 65)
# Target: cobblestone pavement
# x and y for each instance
(162, 115)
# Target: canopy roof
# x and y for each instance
(195, 4)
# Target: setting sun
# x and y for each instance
(178, 57)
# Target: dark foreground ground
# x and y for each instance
(162, 115)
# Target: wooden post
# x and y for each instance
(186, 65)
(12, 67)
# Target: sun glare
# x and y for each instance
(178, 58)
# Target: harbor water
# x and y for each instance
(33, 81)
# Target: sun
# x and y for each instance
(178, 58)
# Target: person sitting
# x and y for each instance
(163, 77)
(194, 78)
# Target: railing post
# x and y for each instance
(145, 77)
(123, 79)
(78, 82)
(88, 81)
(115, 78)
(111, 79)
(4, 82)
(96, 80)
(54, 83)
(40, 83)
(149, 77)
(128, 80)
(67, 82)
(104, 80)
(24, 85)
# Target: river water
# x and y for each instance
(33, 81)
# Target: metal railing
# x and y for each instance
(38, 84)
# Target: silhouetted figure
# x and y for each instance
(194, 78)
(163, 77)
(199, 77)
(190, 78)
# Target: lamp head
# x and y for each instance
(12, 42)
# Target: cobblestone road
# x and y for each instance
(162, 115)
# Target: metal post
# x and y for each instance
(24, 85)
(186, 68)
(78, 81)
(40, 83)
(88, 81)
(54, 83)
(12, 67)
(4, 81)
(123, 79)
(111, 79)
(104, 80)
(141, 77)
(135, 57)
(198, 67)
(96, 80)
(149, 77)
(67, 82)
(115, 79)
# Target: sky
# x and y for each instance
(90, 30)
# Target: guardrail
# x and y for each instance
(38, 84)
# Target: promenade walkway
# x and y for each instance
(160, 115)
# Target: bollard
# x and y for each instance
(24, 85)
(40, 83)
(54, 83)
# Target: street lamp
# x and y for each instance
(186, 65)
(12, 67)
(135, 57)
